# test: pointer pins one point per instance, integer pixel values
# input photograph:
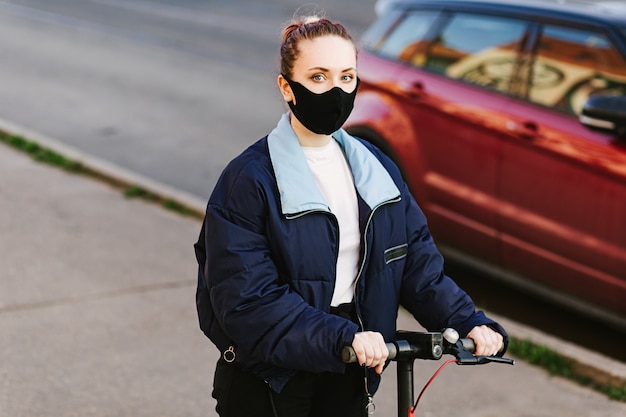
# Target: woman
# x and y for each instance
(311, 242)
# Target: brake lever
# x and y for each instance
(465, 357)
(480, 360)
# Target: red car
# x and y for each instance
(508, 121)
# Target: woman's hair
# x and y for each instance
(306, 27)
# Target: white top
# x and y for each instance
(334, 179)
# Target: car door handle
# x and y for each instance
(414, 89)
(526, 130)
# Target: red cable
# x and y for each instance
(446, 363)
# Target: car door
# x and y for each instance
(456, 89)
(563, 186)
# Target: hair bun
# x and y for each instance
(310, 19)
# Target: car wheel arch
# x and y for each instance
(372, 136)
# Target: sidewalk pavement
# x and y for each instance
(97, 314)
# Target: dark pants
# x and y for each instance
(240, 394)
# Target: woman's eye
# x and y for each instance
(348, 77)
(318, 77)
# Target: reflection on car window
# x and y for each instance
(478, 49)
(374, 35)
(408, 35)
(572, 64)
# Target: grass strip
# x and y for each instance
(50, 157)
(41, 154)
(558, 365)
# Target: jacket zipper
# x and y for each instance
(370, 407)
(304, 213)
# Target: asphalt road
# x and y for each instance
(169, 90)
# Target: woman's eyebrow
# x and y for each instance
(322, 69)
(319, 69)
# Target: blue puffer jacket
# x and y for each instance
(267, 255)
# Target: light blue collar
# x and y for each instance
(298, 191)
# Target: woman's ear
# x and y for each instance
(285, 89)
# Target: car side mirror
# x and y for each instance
(607, 113)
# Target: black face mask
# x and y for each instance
(322, 113)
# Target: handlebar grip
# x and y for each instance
(348, 355)
(469, 345)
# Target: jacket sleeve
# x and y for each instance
(267, 321)
(433, 298)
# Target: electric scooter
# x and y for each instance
(428, 346)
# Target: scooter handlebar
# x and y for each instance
(406, 349)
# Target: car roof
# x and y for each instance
(605, 10)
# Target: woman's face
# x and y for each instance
(324, 63)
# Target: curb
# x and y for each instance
(107, 170)
(598, 368)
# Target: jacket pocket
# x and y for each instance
(396, 252)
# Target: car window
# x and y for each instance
(572, 64)
(373, 37)
(408, 35)
(478, 49)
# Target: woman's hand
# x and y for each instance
(370, 350)
(488, 342)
